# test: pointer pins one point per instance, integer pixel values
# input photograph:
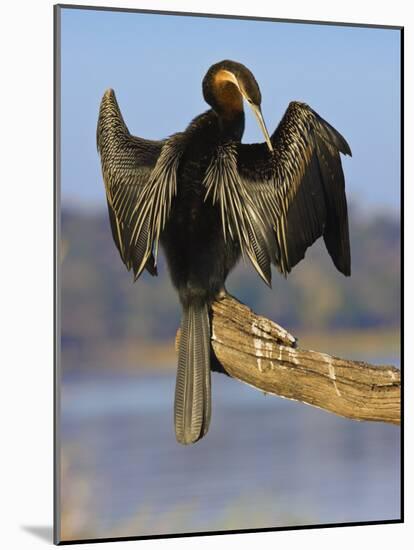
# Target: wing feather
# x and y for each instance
(300, 187)
(140, 182)
(241, 221)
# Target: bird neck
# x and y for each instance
(224, 97)
(213, 128)
(227, 96)
(227, 102)
(231, 125)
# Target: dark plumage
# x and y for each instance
(209, 199)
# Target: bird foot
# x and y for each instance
(221, 294)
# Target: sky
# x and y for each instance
(156, 63)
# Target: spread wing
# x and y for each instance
(139, 177)
(297, 193)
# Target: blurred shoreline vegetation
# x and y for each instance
(108, 321)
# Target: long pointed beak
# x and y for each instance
(258, 114)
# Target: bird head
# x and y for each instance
(226, 84)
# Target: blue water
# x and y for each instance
(266, 461)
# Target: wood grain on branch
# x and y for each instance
(259, 352)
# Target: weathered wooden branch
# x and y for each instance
(259, 352)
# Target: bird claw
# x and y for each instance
(222, 293)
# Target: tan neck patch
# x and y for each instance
(225, 76)
(227, 91)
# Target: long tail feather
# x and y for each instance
(192, 406)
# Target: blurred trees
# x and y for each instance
(100, 303)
